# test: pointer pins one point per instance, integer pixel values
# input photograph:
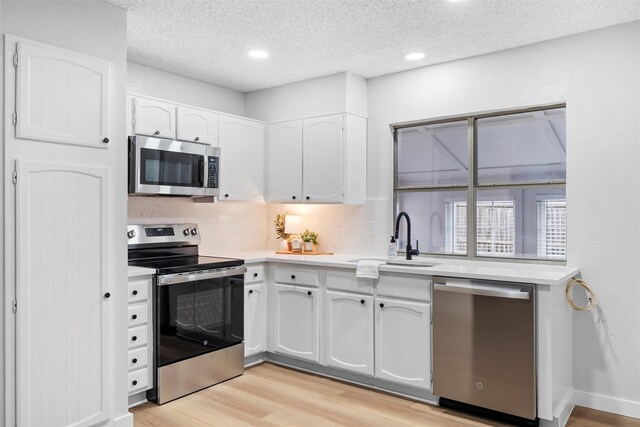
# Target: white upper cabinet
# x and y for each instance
(197, 125)
(284, 158)
(241, 159)
(322, 159)
(62, 96)
(154, 118)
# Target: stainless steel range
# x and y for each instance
(198, 308)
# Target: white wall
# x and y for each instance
(161, 84)
(596, 74)
(98, 29)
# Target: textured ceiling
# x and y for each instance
(209, 40)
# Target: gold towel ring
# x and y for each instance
(590, 295)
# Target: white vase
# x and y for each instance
(308, 246)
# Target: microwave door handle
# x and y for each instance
(202, 173)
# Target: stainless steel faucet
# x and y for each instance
(410, 252)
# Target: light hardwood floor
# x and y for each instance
(271, 395)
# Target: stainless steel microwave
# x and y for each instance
(167, 167)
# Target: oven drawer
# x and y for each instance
(138, 358)
(138, 336)
(138, 314)
(254, 274)
(297, 276)
(138, 380)
(139, 289)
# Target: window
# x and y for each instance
(513, 182)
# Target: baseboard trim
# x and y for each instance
(124, 421)
(627, 408)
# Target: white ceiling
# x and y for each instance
(209, 40)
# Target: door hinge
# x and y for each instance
(14, 306)
(15, 59)
(14, 177)
(15, 118)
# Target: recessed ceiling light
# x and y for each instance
(414, 56)
(260, 54)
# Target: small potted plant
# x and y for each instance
(279, 224)
(310, 239)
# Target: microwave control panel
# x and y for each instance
(213, 167)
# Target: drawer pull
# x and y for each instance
(255, 274)
(250, 291)
(134, 360)
(293, 277)
(134, 317)
(135, 292)
(134, 382)
(134, 338)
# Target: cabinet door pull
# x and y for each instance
(226, 196)
(157, 132)
(251, 291)
(308, 198)
(106, 140)
(381, 305)
(197, 139)
(309, 293)
(293, 197)
(362, 301)
(107, 295)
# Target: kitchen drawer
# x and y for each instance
(138, 336)
(138, 380)
(138, 314)
(138, 358)
(139, 289)
(296, 276)
(346, 280)
(405, 286)
(254, 274)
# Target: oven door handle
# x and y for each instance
(170, 279)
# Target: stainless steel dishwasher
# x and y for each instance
(484, 348)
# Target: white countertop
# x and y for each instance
(140, 271)
(542, 274)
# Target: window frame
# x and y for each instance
(472, 185)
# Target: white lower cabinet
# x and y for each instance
(403, 342)
(349, 331)
(140, 335)
(255, 319)
(296, 321)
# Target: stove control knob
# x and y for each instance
(185, 231)
(131, 234)
(194, 231)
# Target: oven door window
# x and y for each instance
(198, 317)
(159, 167)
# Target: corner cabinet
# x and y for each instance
(241, 159)
(318, 160)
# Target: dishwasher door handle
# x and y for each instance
(483, 291)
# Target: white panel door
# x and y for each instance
(322, 159)
(297, 322)
(62, 96)
(197, 125)
(403, 342)
(241, 159)
(349, 332)
(64, 359)
(284, 162)
(154, 118)
(255, 320)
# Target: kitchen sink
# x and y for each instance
(398, 262)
